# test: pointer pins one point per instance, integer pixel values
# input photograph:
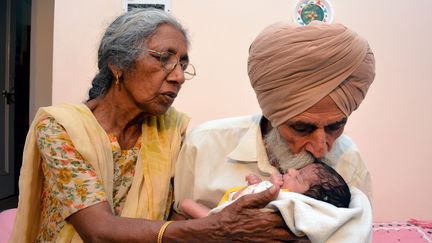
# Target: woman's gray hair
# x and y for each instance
(123, 42)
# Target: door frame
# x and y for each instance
(14, 84)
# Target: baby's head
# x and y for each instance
(319, 181)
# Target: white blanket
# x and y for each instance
(323, 222)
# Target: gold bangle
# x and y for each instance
(162, 231)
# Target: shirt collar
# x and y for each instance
(250, 148)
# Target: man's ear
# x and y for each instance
(115, 70)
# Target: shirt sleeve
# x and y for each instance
(70, 180)
(184, 179)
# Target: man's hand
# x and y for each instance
(245, 221)
(276, 179)
(253, 179)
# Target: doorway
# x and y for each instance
(15, 20)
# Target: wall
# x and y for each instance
(41, 54)
(392, 127)
(78, 27)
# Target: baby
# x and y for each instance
(316, 180)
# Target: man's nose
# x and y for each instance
(317, 144)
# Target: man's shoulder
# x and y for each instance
(342, 147)
(226, 125)
(344, 142)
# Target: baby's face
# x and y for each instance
(300, 180)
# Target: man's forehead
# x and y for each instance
(324, 112)
(317, 119)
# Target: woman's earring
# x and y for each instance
(117, 81)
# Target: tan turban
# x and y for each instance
(291, 68)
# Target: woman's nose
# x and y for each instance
(177, 74)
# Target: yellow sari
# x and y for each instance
(149, 195)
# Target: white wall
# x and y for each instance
(392, 127)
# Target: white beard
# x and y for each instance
(279, 152)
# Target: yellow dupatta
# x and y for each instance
(148, 196)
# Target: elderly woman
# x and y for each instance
(102, 171)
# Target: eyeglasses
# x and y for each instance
(169, 61)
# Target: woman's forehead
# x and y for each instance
(167, 37)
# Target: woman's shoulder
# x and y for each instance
(66, 109)
(173, 113)
(73, 118)
(48, 124)
(173, 118)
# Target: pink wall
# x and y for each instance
(392, 127)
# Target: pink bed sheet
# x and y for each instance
(398, 232)
(382, 232)
(7, 219)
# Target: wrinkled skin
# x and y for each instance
(315, 129)
(245, 222)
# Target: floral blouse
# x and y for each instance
(70, 183)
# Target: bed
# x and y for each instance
(412, 231)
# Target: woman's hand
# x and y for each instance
(243, 221)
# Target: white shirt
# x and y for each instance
(218, 155)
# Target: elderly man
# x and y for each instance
(307, 80)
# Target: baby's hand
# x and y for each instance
(253, 179)
(276, 179)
